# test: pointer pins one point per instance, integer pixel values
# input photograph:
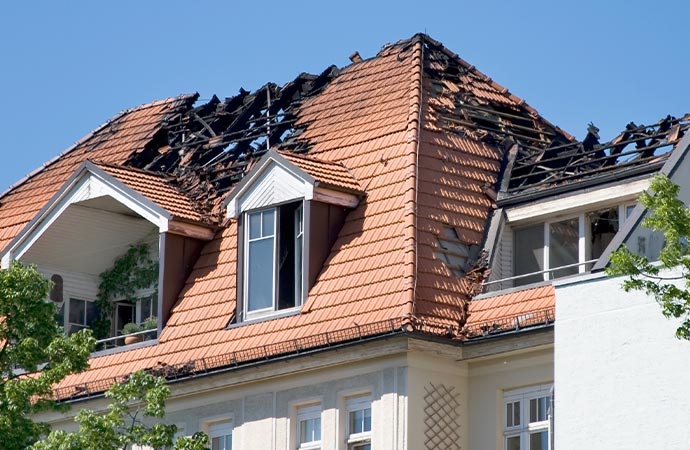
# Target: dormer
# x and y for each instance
(562, 235)
(289, 209)
(101, 212)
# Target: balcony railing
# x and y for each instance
(126, 339)
(587, 264)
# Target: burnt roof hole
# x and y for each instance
(454, 253)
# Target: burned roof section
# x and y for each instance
(637, 150)
(210, 147)
(538, 157)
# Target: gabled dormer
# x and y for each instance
(289, 210)
(100, 213)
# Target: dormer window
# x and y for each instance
(289, 210)
(566, 246)
(273, 259)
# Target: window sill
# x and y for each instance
(269, 316)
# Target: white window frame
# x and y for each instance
(584, 242)
(353, 403)
(306, 413)
(525, 428)
(219, 429)
(299, 289)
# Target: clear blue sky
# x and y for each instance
(67, 66)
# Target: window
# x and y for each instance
(563, 247)
(81, 314)
(309, 427)
(273, 259)
(126, 312)
(220, 434)
(358, 427)
(527, 413)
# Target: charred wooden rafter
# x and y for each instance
(209, 147)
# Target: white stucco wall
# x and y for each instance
(622, 379)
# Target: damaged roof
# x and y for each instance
(427, 137)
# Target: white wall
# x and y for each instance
(622, 379)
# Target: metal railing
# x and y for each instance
(119, 341)
(542, 272)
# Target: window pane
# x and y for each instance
(356, 421)
(603, 226)
(529, 253)
(267, 223)
(76, 311)
(539, 440)
(254, 225)
(90, 313)
(317, 429)
(533, 410)
(260, 276)
(366, 426)
(564, 246)
(516, 414)
(513, 443)
(221, 442)
(509, 415)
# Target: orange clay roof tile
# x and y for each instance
(364, 135)
(325, 172)
(157, 188)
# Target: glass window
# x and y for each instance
(260, 260)
(528, 403)
(274, 259)
(529, 253)
(513, 443)
(564, 238)
(309, 427)
(359, 422)
(603, 227)
(513, 414)
(82, 313)
(221, 435)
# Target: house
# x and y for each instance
(358, 259)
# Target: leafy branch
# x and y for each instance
(130, 272)
(669, 216)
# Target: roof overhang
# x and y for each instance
(91, 182)
(275, 180)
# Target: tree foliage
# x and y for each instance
(31, 339)
(129, 420)
(669, 216)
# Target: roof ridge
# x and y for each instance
(133, 169)
(411, 185)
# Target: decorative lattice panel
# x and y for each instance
(441, 417)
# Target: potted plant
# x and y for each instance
(130, 328)
(151, 323)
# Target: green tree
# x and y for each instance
(30, 339)
(669, 216)
(129, 420)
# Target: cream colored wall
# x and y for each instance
(488, 379)
(430, 375)
(416, 387)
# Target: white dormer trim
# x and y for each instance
(274, 181)
(88, 182)
(576, 201)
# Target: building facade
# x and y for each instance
(358, 259)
